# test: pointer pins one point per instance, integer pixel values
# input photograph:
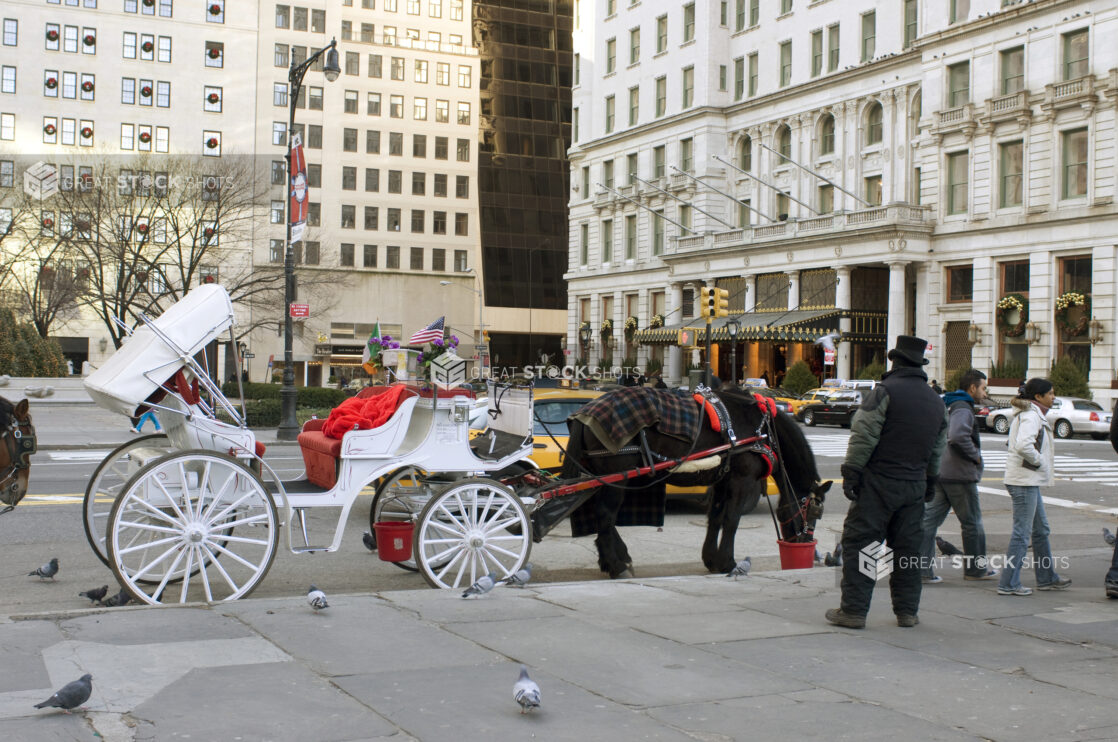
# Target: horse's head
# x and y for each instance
(17, 443)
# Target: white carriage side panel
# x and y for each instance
(144, 361)
(384, 440)
(510, 411)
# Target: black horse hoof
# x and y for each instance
(625, 574)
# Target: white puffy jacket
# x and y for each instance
(1027, 425)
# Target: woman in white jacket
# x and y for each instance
(1028, 468)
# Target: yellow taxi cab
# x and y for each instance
(553, 407)
(785, 400)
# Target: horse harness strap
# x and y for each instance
(716, 411)
(20, 448)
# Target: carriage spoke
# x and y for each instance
(504, 538)
(226, 511)
(462, 510)
(445, 553)
(157, 594)
(186, 572)
(506, 552)
(241, 522)
(451, 564)
(134, 500)
(170, 499)
(147, 527)
(244, 540)
(204, 575)
(489, 519)
(151, 565)
(494, 528)
(234, 556)
(147, 545)
(203, 485)
(221, 569)
(453, 519)
(218, 497)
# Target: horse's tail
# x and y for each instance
(575, 450)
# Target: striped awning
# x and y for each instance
(796, 326)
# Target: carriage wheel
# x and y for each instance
(198, 521)
(470, 529)
(409, 494)
(105, 485)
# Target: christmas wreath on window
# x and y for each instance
(90, 39)
(149, 3)
(145, 136)
(52, 83)
(87, 86)
(49, 129)
(147, 46)
(48, 222)
(1073, 312)
(214, 52)
(1012, 315)
(656, 321)
(52, 35)
(631, 327)
(146, 91)
(87, 132)
(606, 329)
(213, 98)
(215, 9)
(212, 142)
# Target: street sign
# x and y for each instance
(828, 357)
(300, 310)
(481, 348)
(250, 355)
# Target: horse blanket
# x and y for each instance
(616, 418)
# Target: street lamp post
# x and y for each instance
(584, 334)
(289, 427)
(733, 327)
(241, 348)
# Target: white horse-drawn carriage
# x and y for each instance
(195, 513)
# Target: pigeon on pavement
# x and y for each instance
(741, 569)
(818, 556)
(946, 547)
(1108, 537)
(50, 569)
(369, 540)
(526, 691)
(317, 599)
(835, 559)
(95, 595)
(481, 587)
(520, 577)
(121, 598)
(70, 695)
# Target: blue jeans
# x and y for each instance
(149, 415)
(963, 498)
(1028, 520)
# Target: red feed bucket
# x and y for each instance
(394, 540)
(792, 556)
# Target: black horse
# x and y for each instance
(734, 481)
(17, 443)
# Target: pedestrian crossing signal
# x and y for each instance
(686, 338)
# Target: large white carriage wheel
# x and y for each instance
(195, 514)
(469, 529)
(105, 485)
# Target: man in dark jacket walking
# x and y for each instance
(896, 440)
(1110, 583)
(960, 470)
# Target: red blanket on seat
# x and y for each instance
(363, 414)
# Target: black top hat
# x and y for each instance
(909, 351)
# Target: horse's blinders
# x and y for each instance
(21, 442)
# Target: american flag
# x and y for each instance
(429, 334)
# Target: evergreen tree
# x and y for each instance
(1068, 379)
(875, 370)
(799, 378)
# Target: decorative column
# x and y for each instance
(793, 289)
(674, 366)
(843, 348)
(888, 164)
(643, 303)
(750, 292)
(896, 324)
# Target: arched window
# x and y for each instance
(874, 117)
(827, 135)
(745, 154)
(784, 143)
(917, 110)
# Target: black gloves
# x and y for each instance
(851, 481)
(930, 488)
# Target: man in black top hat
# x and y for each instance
(892, 459)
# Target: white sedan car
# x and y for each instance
(1069, 416)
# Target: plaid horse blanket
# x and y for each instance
(616, 418)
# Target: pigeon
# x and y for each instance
(95, 595)
(121, 598)
(1108, 537)
(70, 695)
(838, 554)
(50, 569)
(520, 577)
(741, 569)
(947, 548)
(828, 341)
(317, 599)
(526, 691)
(481, 587)
(818, 556)
(369, 540)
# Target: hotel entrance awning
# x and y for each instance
(795, 326)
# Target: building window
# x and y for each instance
(611, 56)
(275, 251)
(631, 237)
(685, 216)
(395, 181)
(960, 283)
(832, 47)
(634, 106)
(584, 244)
(461, 225)
(372, 141)
(441, 147)
(658, 232)
(688, 22)
(607, 174)
(910, 22)
(784, 144)
(372, 104)
(461, 186)
(345, 259)
(464, 112)
(1076, 51)
(630, 169)
(369, 256)
(396, 106)
(1075, 158)
(661, 96)
(1012, 69)
(464, 76)
(873, 190)
(753, 74)
(372, 218)
(438, 222)
(392, 259)
(349, 139)
(463, 150)
(393, 220)
(162, 94)
(959, 11)
(739, 77)
(687, 155)
(785, 63)
(874, 118)
(745, 154)
(1011, 169)
(609, 114)
(460, 262)
(816, 53)
(688, 86)
(754, 12)
(661, 34)
(658, 161)
(957, 182)
(11, 32)
(958, 84)
(607, 241)
(869, 35)
(634, 46)
(418, 220)
(314, 97)
(416, 259)
(438, 259)
(826, 201)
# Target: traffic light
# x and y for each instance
(715, 302)
(706, 295)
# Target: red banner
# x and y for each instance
(297, 209)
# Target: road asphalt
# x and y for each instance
(687, 657)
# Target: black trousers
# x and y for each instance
(890, 511)
(1112, 575)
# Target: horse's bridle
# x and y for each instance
(21, 442)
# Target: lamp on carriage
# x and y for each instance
(289, 428)
(733, 327)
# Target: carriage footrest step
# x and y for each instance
(306, 549)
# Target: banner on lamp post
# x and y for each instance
(298, 204)
(828, 357)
